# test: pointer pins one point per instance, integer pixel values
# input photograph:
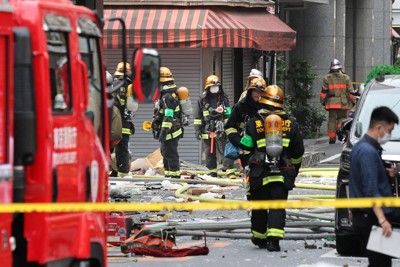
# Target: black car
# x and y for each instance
(381, 91)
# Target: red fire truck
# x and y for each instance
(54, 130)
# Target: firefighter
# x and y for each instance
(116, 119)
(276, 150)
(213, 111)
(127, 106)
(254, 73)
(242, 111)
(116, 125)
(168, 121)
(336, 97)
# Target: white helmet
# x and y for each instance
(255, 73)
(335, 65)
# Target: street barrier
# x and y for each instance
(223, 205)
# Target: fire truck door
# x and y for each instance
(6, 110)
(65, 118)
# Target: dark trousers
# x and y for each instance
(363, 223)
(262, 220)
(169, 151)
(122, 154)
(219, 148)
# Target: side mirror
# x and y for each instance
(343, 132)
(146, 75)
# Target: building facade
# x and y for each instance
(358, 33)
(195, 42)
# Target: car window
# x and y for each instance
(389, 97)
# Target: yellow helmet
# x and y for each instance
(273, 96)
(165, 75)
(212, 80)
(257, 83)
(119, 70)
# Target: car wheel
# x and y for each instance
(349, 245)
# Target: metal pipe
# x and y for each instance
(231, 225)
(309, 215)
(248, 236)
(319, 210)
(304, 197)
(318, 169)
(328, 174)
(189, 181)
(316, 186)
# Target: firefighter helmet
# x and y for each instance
(212, 80)
(119, 70)
(257, 83)
(255, 73)
(165, 75)
(273, 96)
(335, 65)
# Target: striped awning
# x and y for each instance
(194, 27)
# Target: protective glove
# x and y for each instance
(198, 135)
(133, 130)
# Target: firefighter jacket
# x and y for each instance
(288, 163)
(212, 113)
(168, 116)
(336, 91)
(242, 111)
(120, 102)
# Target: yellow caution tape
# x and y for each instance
(228, 205)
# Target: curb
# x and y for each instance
(317, 141)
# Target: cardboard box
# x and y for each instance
(154, 158)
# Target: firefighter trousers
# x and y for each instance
(169, 151)
(123, 155)
(269, 224)
(211, 158)
(336, 117)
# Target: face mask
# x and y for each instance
(386, 137)
(214, 89)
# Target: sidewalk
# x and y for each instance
(308, 143)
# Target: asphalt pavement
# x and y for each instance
(301, 247)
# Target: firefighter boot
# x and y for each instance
(261, 243)
(213, 174)
(113, 173)
(273, 244)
